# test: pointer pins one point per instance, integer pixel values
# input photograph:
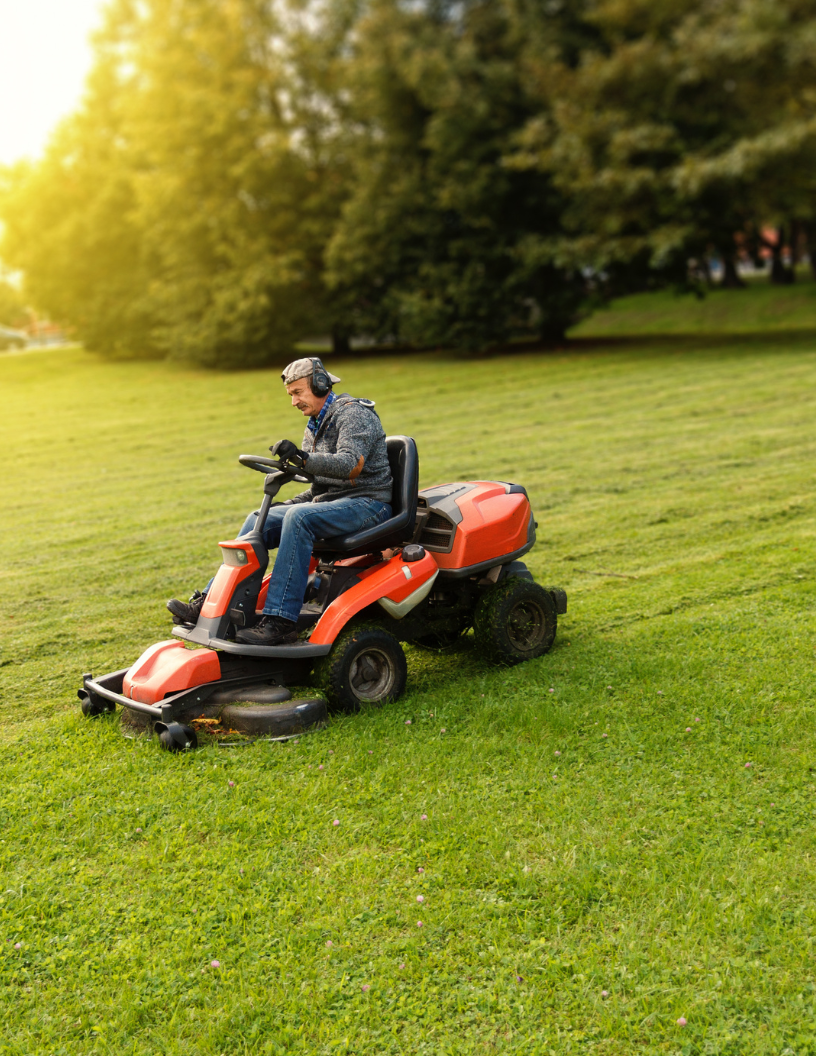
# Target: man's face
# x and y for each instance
(304, 399)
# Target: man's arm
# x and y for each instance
(303, 496)
(357, 431)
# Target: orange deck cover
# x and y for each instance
(168, 667)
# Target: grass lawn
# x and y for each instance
(602, 841)
(758, 308)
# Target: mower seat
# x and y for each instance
(398, 529)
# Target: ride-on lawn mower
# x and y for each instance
(446, 560)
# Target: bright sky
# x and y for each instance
(44, 57)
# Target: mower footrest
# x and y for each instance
(295, 651)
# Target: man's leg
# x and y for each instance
(272, 528)
(188, 612)
(302, 524)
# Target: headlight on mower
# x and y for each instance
(233, 557)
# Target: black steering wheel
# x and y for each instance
(274, 465)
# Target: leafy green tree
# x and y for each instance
(12, 305)
(69, 221)
(243, 173)
(236, 189)
(184, 210)
(433, 242)
(682, 125)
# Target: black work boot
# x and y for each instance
(269, 630)
(184, 612)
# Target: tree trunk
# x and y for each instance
(809, 230)
(795, 243)
(731, 279)
(341, 343)
(754, 244)
(553, 332)
(780, 274)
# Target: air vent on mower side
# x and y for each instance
(437, 533)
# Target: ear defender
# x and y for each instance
(321, 382)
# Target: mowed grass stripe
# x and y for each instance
(645, 859)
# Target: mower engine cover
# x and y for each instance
(470, 526)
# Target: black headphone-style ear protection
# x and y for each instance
(321, 382)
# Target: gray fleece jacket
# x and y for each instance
(347, 454)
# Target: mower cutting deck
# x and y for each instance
(446, 560)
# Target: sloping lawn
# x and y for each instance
(566, 856)
(759, 308)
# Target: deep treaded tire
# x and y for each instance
(515, 621)
(366, 664)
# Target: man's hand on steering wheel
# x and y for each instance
(286, 451)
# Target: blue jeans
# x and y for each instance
(293, 530)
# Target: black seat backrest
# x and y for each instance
(398, 529)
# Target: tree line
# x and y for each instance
(242, 174)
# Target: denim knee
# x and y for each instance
(249, 523)
(295, 514)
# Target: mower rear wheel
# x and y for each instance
(366, 665)
(515, 621)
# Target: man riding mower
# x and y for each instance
(345, 455)
(364, 562)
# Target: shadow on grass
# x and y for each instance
(690, 341)
(653, 344)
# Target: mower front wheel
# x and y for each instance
(92, 704)
(366, 664)
(176, 737)
(515, 621)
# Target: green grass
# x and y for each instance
(760, 308)
(674, 489)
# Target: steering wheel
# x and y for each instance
(274, 465)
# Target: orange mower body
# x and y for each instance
(447, 560)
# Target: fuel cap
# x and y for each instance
(413, 552)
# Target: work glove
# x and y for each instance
(286, 451)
